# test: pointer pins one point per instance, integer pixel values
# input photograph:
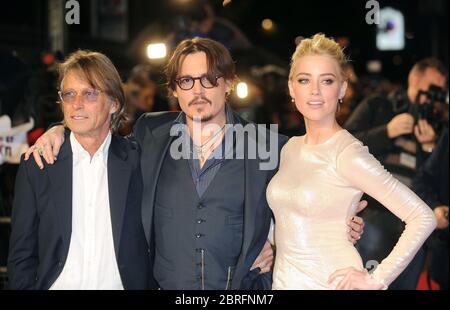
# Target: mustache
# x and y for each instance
(198, 99)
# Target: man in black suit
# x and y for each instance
(431, 184)
(205, 175)
(77, 224)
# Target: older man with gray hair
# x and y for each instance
(77, 223)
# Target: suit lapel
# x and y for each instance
(154, 148)
(255, 186)
(60, 175)
(119, 173)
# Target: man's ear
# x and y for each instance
(174, 93)
(228, 86)
(114, 107)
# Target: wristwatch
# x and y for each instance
(427, 149)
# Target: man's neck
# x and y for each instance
(201, 131)
(91, 143)
(207, 136)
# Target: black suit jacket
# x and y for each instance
(431, 184)
(152, 131)
(368, 123)
(42, 219)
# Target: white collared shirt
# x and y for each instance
(91, 263)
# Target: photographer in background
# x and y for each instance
(401, 131)
(396, 124)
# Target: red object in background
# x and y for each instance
(343, 41)
(48, 59)
(34, 135)
(422, 285)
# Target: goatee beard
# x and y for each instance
(206, 118)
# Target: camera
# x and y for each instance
(428, 104)
(437, 94)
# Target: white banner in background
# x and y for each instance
(391, 30)
(13, 141)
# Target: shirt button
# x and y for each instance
(198, 236)
(199, 221)
(200, 206)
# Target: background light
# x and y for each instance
(391, 30)
(242, 90)
(156, 51)
(182, 1)
(267, 24)
(374, 66)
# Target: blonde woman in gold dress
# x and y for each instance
(321, 179)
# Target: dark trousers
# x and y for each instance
(381, 232)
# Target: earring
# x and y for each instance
(339, 105)
(292, 100)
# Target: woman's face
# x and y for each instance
(316, 85)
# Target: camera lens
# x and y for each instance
(436, 93)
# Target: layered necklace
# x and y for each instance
(203, 149)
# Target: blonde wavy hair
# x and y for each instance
(319, 44)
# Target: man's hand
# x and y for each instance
(401, 124)
(439, 212)
(424, 132)
(264, 259)
(356, 224)
(47, 146)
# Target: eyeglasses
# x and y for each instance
(88, 95)
(187, 82)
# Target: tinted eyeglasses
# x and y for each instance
(88, 95)
(187, 82)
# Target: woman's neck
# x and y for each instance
(317, 133)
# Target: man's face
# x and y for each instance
(87, 111)
(421, 82)
(200, 103)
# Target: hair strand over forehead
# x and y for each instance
(218, 58)
(99, 72)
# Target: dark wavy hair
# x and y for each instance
(218, 57)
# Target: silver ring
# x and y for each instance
(40, 151)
